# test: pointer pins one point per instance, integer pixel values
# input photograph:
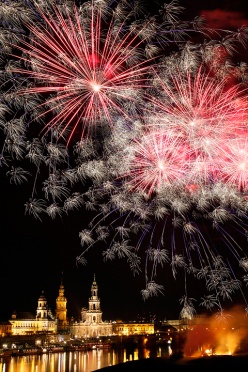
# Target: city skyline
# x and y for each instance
(35, 253)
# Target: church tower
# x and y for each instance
(92, 324)
(42, 308)
(94, 314)
(61, 301)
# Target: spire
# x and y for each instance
(94, 314)
(94, 287)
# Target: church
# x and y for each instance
(26, 323)
(91, 324)
(44, 321)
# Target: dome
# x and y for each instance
(42, 297)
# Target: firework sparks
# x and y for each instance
(177, 179)
(163, 142)
(207, 114)
(157, 161)
(87, 67)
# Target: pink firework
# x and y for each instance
(235, 163)
(206, 114)
(86, 67)
(156, 161)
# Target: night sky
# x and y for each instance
(34, 254)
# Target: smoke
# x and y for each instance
(219, 334)
(221, 19)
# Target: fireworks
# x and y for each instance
(181, 175)
(160, 135)
(156, 161)
(88, 64)
(210, 118)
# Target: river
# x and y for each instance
(76, 361)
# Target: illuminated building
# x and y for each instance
(127, 329)
(24, 323)
(5, 328)
(91, 324)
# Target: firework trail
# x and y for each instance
(72, 73)
(182, 175)
(77, 68)
(160, 135)
(210, 117)
(87, 63)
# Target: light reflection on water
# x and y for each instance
(76, 361)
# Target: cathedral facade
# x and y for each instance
(91, 324)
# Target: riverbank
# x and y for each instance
(52, 349)
(185, 364)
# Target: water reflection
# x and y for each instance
(77, 361)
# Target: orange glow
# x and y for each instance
(217, 335)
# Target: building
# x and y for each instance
(128, 329)
(5, 328)
(185, 323)
(26, 323)
(92, 324)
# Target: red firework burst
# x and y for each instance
(156, 161)
(210, 119)
(235, 163)
(87, 68)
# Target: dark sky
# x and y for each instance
(34, 253)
